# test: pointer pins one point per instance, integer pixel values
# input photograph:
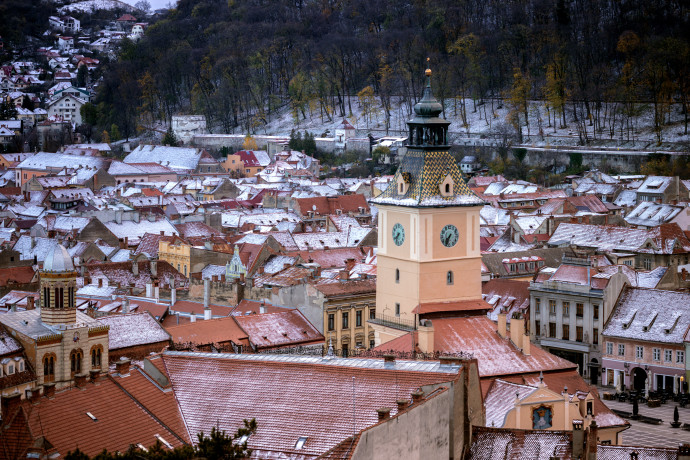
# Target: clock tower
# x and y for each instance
(428, 258)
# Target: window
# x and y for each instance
(449, 277)
(656, 354)
(566, 332)
(609, 348)
(595, 311)
(397, 309)
(346, 320)
(96, 357)
(537, 305)
(75, 361)
(668, 356)
(10, 369)
(331, 322)
(639, 352)
(397, 275)
(578, 333)
(621, 349)
(552, 306)
(579, 310)
(552, 330)
(358, 318)
(595, 336)
(346, 350)
(300, 442)
(647, 264)
(566, 309)
(680, 357)
(372, 343)
(49, 368)
(372, 313)
(537, 327)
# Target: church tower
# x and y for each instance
(58, 287)
(428, 242)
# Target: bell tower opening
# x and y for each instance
(58, 280)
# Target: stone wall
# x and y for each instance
(186, 126)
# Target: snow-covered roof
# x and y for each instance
(45, 160)
(650, 315)
(177, 158)
(133, 329)
(655, 184)
(650, 214)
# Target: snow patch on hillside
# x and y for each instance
(89, 6)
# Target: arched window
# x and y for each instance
(397, 275)
(401, 187)
(75, 361)
(449, 277)
(46, 297)
(96, 352)
(447, 188)
(49, 368)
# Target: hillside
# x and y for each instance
(620, 67)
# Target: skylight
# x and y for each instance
(300, 442)
(92, 417)
(163, 441)
(243, 439)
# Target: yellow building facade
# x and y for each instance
(177, 253)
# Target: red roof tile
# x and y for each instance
(212, 331)
(328, 205)
(271, 330)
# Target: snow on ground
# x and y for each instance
(482, 123)
(93, 5)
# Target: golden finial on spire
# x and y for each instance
(428, 68)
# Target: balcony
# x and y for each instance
(394, 322)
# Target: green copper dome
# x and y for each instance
(428, 107)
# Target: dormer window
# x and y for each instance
(446, 186)
(403, 182)
(300, 442)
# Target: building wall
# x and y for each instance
(423, 261)
(176, 254)
(339, 336)
(614, 364)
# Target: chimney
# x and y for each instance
(192, 319)
(262, 307)
(154, 268)
(526, 345)
(207, 292)
(9, 405)
(578, 439)
(149, 290)
(344, 275)
(389, 359)
(80, 380)
(684, 452)
(417, 396)
(30, 303)
(517, 329)
(118, 217)
(173, 296)
(157, 293)
(207, 313)
(135, 268)
(402, 404)
(125, 306)
(592, 438)
(35, 394)
(425, 336)
(122, 366)
(502, 329)
(48, 390)
(94, 374)
(384, 413)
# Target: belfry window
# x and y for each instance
(75, 361)
(449, 277)
(397, 275)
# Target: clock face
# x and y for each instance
(398, 234)
(449, 235)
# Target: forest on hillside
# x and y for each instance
(240, 61)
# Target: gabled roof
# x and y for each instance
(133, 329)
(291, 396)
(271, 330)
(211, 331)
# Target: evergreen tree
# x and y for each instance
(296, 142)
(309, 144)
(169, 139)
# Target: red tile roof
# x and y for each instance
(330, 258)
(272, 330)
(16, 275)
(121, 420)
(212, 331)
(292, 396)
(328, 205)
(333, 289)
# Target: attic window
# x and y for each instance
(300, 442)
(92, 417)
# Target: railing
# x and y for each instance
(395, 322)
